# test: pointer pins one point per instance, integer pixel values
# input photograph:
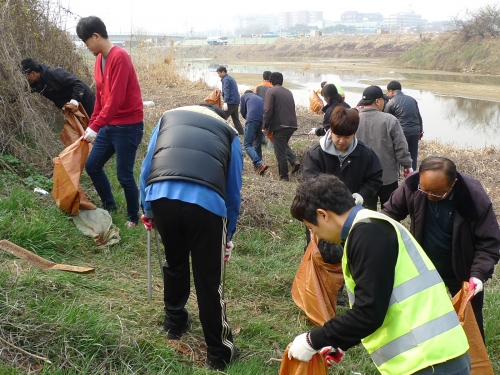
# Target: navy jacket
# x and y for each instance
(230, 90)
(252, 107)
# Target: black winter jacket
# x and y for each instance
(405, 109)
(328, 109)
(60, 86)
(476, 235)
(361, 171)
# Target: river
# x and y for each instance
(464, 121)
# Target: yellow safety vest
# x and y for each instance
(421, 327)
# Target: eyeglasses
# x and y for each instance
(435, 195)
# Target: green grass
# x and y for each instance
(102, 323)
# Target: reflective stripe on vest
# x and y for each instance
(416, 337)
(424, 280)
(410, 339)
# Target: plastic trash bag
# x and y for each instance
(316, 285)
(479, 359)
(214, 98)
(316, 366)
(98, 225)
(315, 103)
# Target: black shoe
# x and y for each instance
(174, 333)
(295, 167)
(221, 366)
(340, 298)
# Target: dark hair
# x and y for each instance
(88, 26)
(438, 163)
(276, 78)
(266, 75)
(248, 92)
(325, 191)
(394, 85)
(214, 108)
(322, 84)
(29, 65)
(222, 69)
(344, 121)
(330, 93)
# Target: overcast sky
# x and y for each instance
(157, 16)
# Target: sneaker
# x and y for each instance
(221, 366)
(295, 167)
(262, 169)
(130, 224)
(175, 333)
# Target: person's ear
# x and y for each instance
(322, 213)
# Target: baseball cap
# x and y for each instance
(372, 93)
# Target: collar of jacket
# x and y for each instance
(463, 198)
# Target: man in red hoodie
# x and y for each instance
(116, 126)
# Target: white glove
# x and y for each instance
(224, 107)
(300, 349)
(358, 199)
(312, 132)
(227, 252)
(73, 101)
(89, 135)
(476, 285)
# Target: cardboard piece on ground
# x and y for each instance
(479, 359)
(40, 262)
(98, 225)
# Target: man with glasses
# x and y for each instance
(453, 220)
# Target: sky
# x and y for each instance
(162, 16)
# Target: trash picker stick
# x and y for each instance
(160, 258)
(149, 266)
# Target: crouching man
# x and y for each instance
(190, 189)
(400, 309)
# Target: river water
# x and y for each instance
(466, 122)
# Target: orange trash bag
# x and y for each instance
(316, 285)
(315, 103)
(76, 123)
(316, 366)
(68, 166)
(479, 359)
(214, 98)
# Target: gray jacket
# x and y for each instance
(405, 108)
(383, 134)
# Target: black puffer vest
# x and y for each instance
(192, 146)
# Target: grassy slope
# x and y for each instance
(103, 323)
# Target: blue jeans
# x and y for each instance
(122, 140)
(252, 141)
(456, 366)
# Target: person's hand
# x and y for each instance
(421, 136)
(89, 135)
(227, 252)
(148, 222)
(224, 107)
(331, 355)
(358, 199)
(476, 285)
(407, 172)
(265, 131)
(312, 132)
(72, 105)
(301, 349)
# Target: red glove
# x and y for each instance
(407, 172)
(421, 136)
(331, 355)
(148, 222)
